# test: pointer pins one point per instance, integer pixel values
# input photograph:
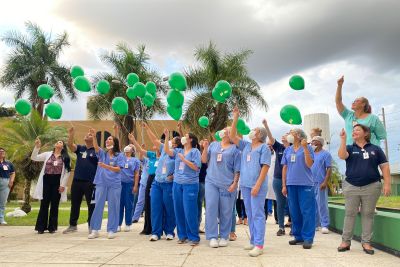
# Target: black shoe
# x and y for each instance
(288, 225)
(343, 249)
(134, 221)
(144, 233)
(280, 232)
(40, 232)
(368, 251)
(307, 245)
(52, 231)
(296, 242)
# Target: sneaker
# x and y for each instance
(194, 243)
(111, 235)
(324, 230)
(94, 234)
(249, 247)
(170, 237)
(280, 232)
(70, 229)
(256, 251)
(223, 242)
(307, 245)
(135, 221)
(295, 242)
(214, 243)
(153, 238)
(127, 228)
(182, 241)
(3, 223)
(119, 229)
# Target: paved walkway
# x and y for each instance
(21, 246)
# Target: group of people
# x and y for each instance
(179, 173)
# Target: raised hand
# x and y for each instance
(92, 132)
(343, 134)
(166, 133)
(304, 143)
(206, 144)
(71, 131)
(235, 112)
(38, 144)
(340, 81)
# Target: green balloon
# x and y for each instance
(291, 115)
(45, 91)
(174, 112)
(224, 88)
(177, 81)
(148, 100)
(204, 122)
(244, 131)
(140, 89)
(82, 84)
(103, 87)
(151, 88)
(53, 111)
(216, 135)
(76, 71)
(175, 98)
(23, 107)
(218, 96)
(241, 124)
(132, 78)
(130, 93)
(296, 82)
(120, 106)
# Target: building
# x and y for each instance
(318, 120)
(395, 174)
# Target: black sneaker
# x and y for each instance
(296, 242)
(135, 221)
(307, 245)
(280, 232)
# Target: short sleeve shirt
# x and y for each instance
(322, 161)
(279, 149)
(183, 173)
(130, 166)
(165, 167)
(6, 169)
(106, 177)
(298, 172)
(86, 163)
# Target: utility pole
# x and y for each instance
(384, 125)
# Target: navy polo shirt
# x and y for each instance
(86, 163)
(363, 170)
(203, 173)
(279, 149)
(6, 168)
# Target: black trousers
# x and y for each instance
(51, 197)
(241, 210)
(80, 188)
(147, 207)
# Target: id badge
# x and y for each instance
(111, 163)
(156, 164)
(5, 167)
(219, 157)
(126, 165)
(164, 169)
(293, 158)
(181, 166)
(248, 157)
(84, 154)
(55, 163)
(366, 155)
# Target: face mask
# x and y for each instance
(183, 140)
(252, 135)
(109, 147)
(314, 147)
(290, 138)
(170, 144)
(221, 134)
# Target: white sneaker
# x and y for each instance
(249, 247)
(153, 238)
(119, 229)
(256, 251)
(317, 229)
(324, 230)
(111, 235)
(214, 243)
(94, 234)
(170, 237)
(223, 242)
(3, 223)
(127, 228)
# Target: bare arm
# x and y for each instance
(11, 181)
(152, 136)
(71, 144)
(204, 155)
(338, 99)
(386, 178)
(166, 145)
(284, 172)
(188, 163)
(269, 134)
(307, 155)
(233, 133)
(138, 147)
(263, 174)
(342, 153)
(180, 131)
(95, 144)
(135, 187)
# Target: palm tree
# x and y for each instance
(34, 60)
(124, 61)
(18, 138)
(201, 80)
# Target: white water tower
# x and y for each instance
(318, 120)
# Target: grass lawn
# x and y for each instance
(383, 202)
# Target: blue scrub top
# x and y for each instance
(152, 160)
(106, 177)
(184, 174)
(322, 161)
(251, 163)
(297, 172)
(145, 171)
(222, 164)
(130, 166)
(165, 167)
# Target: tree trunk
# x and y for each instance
(26, 207)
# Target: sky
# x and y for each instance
(319, 40)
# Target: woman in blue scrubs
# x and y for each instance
(298, 186)
(129, 186)
(222, 179)
(108, 186)
(255, 163)
(186, 189)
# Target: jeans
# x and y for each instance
(200, 200)
(80, 188)
(126, 203)
(280, 202)
(185, 204)
(4, 191)
(140, 203)
(162, 209)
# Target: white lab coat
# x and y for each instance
(44, 157)
(271, 192)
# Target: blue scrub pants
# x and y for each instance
(140, 203)
(322, 211)
(234, 213)
(280, 202)
(255, 214)
(162, 209)
(200, 200)
(220, 204)
(126, 203)
(302, 211)
(113, 197)
(185, 204)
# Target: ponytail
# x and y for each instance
(367, 106)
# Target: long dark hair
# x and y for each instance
(178, 142)
(115, 148)
(366, 130)
(65, 157)
(195, 141)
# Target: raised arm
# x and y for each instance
(166, 144)
(307, 155)
(95, 144)
(233, 132)
(35, 153)
(139, 148)
(71, 144)
(342, 153)
(151, 135)
(204, 155)
(179, 127)
(269, 134)
(338, 99)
